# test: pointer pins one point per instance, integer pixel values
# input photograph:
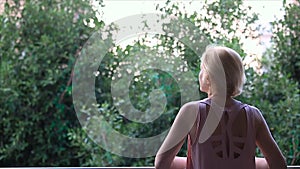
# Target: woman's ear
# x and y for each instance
(208, 83)
(207, 80)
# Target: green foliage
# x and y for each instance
(277, 96)
(286, 41)
(40, 41)
(146, 81)
(39, 44)
(277, 91)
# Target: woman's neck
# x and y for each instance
(222, 100)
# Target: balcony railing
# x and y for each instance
(289, 167)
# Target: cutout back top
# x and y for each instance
(231, 146)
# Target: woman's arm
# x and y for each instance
(184, 121)
(261, 163)
(180, 163)
(169, 160)
(269, 148)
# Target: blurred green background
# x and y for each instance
(41, 40)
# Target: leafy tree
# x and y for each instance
(286, 39)
(278, 88)
(40, 41)
(216, 24)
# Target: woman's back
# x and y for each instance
(232, 145)
(220, 139)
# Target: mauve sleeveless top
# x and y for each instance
(231, 152)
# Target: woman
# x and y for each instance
(222, 132)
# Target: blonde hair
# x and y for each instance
(219, 60)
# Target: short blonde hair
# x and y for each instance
(217, 60)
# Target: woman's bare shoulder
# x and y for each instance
(193, 105)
